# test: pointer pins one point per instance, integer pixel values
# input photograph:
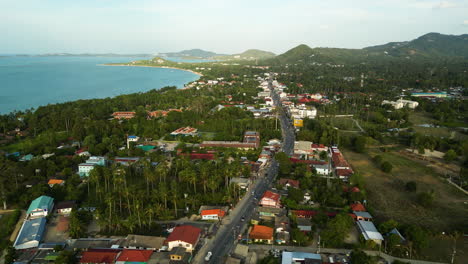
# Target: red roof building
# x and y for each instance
(261, 233)
(212, 214)
(289, 183)
(186, 236)
(134, 255)
(310, 214)
(270, 199)
(124, 115)
(357, 207)
(99, 256)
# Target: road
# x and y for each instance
(233, 225)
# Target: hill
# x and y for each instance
(251, 54)
(431, 44)
(426, 47)
(196, 53)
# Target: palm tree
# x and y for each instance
(174, 195)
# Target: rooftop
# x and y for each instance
(368, 230)
(31, 230)
(186, 233)
(42, 202)
(261, 232)
(135, 255)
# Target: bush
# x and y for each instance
(386, 167)
(378, 159)
(411, 186)
(426, 198)
(450, 155)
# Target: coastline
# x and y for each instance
(165, 67)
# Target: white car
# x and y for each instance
(208, 256)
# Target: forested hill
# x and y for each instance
(250, 54)
(428, 47)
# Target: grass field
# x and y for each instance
(389, 199)
(421, 118)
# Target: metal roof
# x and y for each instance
(369, 231)
(31, 233)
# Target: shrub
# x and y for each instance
(411, 186)
(386, 167)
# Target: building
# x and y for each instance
(185, 131)
(304, 224)
(179, 255)
(40, 207)
(400, 103)
(300, 257)
(185, 236)
(431, 94)
(289, 183)
(252, 137)
(126, 161)
(132, 139)
(65, 207)
(53, 182)
(213, 214)
(303, 147)
(123, 115)
(84, 169)
(30, 234)
(142, 242)
(362, 216)
(262, 234)
(134, 256)
(322, 169)
(243, 183)
(369, 231)
(358, 207)
(270, 199)
(99, 256)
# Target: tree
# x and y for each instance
(65, 257)
(360, 144)
(298, 237)
(387, 226)
(336, 230)
(450, 155)
(359, 256)
(426, 198)
(386, 167)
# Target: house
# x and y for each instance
(99, 256)
(289, 183)
(30, 234)
(84, 169)
(243, 183)
(40, 207)
(282, 229)
(358, 207)
(317, 148)
(213, 214)
(185, 131)
(288, 257)
(369, 231)
(303, 147)
(262, 234)
(132, 139)
(252, 137)
(134, 256)
(270, 199)
(322, 169)
(126, 161)
(142, 242)
(395, 231)
(362, 216)
(65, 207)
(185, 236)
(123, 115)
(53, 182)
(27, 157)
(267, 213)
(179, 255)
(304, 224)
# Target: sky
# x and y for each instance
(144, 26)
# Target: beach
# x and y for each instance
(165, 67)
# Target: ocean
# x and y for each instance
(29, 82)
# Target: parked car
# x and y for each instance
(208, 256)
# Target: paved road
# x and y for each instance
(233, 225)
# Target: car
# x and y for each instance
(242, 219)
(208, 256)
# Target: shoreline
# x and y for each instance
(164, 67)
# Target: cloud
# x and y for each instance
(433, 4)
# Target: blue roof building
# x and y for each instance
(30, 234)
(294, 257)
(41, 206)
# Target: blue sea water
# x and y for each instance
(29, 82)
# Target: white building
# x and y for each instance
(400, 103)
(322, 169)
(369, 231)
